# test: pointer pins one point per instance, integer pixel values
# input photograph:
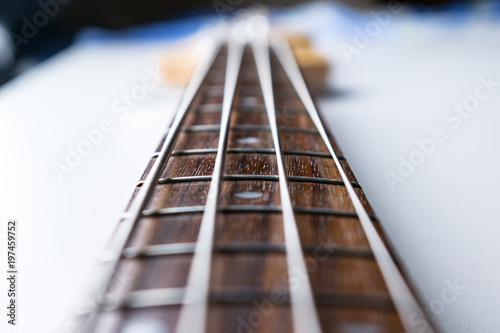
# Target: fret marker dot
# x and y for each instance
(250, 100)
(248, 140)
(248, 194)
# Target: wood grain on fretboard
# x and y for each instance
(249, 279)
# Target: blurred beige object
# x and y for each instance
(178, 64)
(297, 40)
(313, 65)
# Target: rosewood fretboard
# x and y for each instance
(248, 218)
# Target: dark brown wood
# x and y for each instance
(350, 293)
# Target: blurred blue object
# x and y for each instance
(6, 54)
(317, 18)
(170, 29)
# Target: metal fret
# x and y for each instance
(249, 151)
(174, 297)
(187, 179)
(193, 314)
(250, 209)
(189, 248)
(145, 299)
(306, 153)
(251, 108)
(305, 317)
(216, 128)
(203, 151)
(318, 180)
(174, 211)
(159, 250)
(266, 178)
(301, 179)
(354, 300)
(250, 128)
(298, 179)
(206, 108)
(245, 90)
(201, 209)
(404, 300)
(112, 256)
(245, 108)
(322, 211)
(209, 178)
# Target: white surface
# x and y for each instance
(63, 225)
(443, 219)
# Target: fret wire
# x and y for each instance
(159, 250)
(201, 209)
(251, 108)
(215, 107)
(301, 179)
(215, 128)
(144, 299)
(249, 128)
(186, 179)
(189, 179)
(174, 211)
(306, 153)
(205, 151)
(246, 108)
(202, 151)
(327, 181)
(287, 109)
(270, 178)
(111, 257)
(305, 317)
(403, 298)
(243, 90)
(249, 151)
(162, 297)
(320, 211)
(189, 248)
(193, 314)
(249, 209)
